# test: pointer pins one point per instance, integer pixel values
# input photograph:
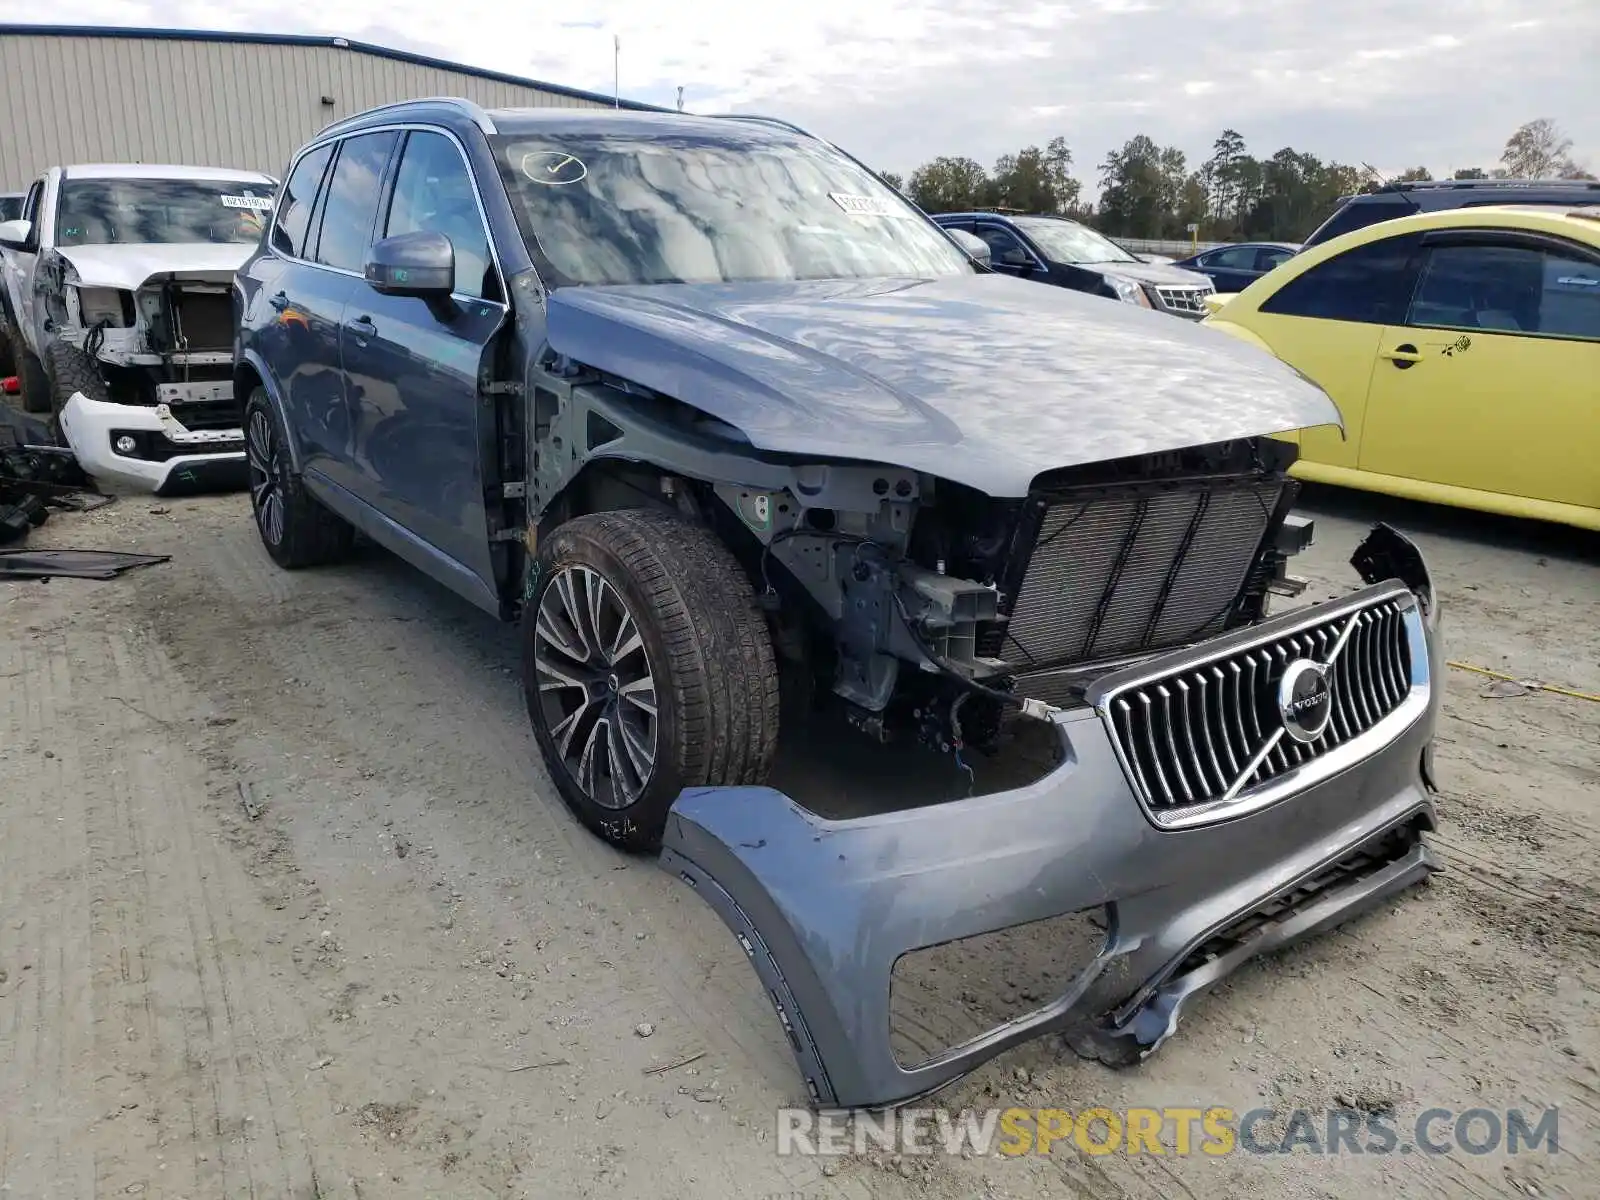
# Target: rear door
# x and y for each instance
(20, 265)
(305, 284)
(283, 290)
(412, 367)
(1492, 380)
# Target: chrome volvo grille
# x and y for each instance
(1200, 742)
(1187, 300)
(1121, 572)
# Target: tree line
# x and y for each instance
(1150, 191)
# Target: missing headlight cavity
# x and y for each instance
(942, 997)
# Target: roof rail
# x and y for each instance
(1427, 184)
(779, 122)
(466, 108)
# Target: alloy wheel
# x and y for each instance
(266, 488)
(596, 690)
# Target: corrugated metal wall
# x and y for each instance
(217, 104)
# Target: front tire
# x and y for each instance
(30, 375)
(72, 371)
(647, 668)
(8, 356)
(296, 530)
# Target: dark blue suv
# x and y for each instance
(644, 376)
(719, 417)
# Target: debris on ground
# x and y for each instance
(247, 797)
(72, 564)
(35, 475)
(1507, 686)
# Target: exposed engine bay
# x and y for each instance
(142, 378)
(168, 342)
(1014, 606)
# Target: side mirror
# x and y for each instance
(977, 249)
(421, 264)
(1016, 258)
(14, 235)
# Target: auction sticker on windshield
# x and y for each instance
(868, 206)
(259, 203)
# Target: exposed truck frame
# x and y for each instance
(128, 345)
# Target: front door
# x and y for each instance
(1328, 322)
(1007, 253)
(19, 268)
(1493, 380)
(412, 366)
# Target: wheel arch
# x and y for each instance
(249, 373)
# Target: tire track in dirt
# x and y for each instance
(171, 1026)
(43, 956)
(367, 678)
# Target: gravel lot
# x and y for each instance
(412, 974)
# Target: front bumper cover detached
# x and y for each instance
(824, 908)
(172, 459)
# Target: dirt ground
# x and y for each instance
(412, 974)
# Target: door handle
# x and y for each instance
(1402, 356)
(363, 328)
(279, 301)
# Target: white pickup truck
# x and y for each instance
(117, 306)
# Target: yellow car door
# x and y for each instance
(1492, 382)
(1329, 322)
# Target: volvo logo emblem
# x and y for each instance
(1305, 700)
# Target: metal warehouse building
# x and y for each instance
(76, 94)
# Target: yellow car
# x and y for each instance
(1463, 350)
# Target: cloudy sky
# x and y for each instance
(1393, 83)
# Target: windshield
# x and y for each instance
(1069, 242)
(614, 209)
(94, 212)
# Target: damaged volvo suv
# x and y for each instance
(732, 429)
(116, 309)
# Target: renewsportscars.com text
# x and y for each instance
(1173, 1131)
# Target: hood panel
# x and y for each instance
(1152, 273)
(128, 266)
(983, 379)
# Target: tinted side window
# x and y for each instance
(1232, 258)
(1272, 258)
(1509, 289)
(433, 193)
(1371, 284)
(294, 208)
(30, 203)
(1571, 303)
(352, 206)
(1000, 240)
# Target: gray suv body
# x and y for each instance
(734, 432)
